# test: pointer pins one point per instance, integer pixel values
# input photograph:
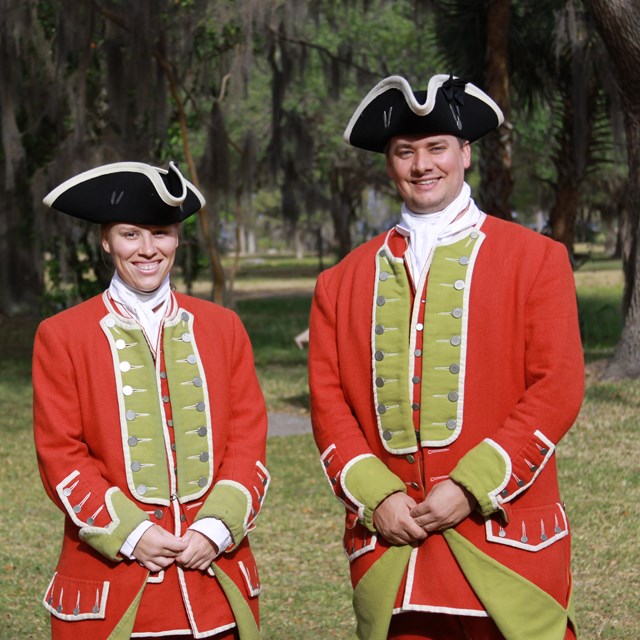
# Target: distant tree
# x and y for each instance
(618, 22)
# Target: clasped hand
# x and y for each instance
(401, 520)
(157, 549)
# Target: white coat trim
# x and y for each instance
(253, 591)
(494, 495)
(408, 592)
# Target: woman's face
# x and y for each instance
(142, 254)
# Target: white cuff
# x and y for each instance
(134, 537)
(215, 530)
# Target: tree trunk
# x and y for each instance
(618, 22)
(495, 162)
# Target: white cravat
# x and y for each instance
(425, 230)
(148, 308)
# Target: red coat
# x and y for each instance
(488, 373)
(122, 439)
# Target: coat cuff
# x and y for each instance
(484, 471)
(367, 481)
(126, 517)
(235, 505)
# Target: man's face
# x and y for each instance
(428, 170)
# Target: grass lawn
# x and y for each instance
(306, 591)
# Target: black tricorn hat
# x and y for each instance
(450, 106)
(132, 192)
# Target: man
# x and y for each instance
(445, 365)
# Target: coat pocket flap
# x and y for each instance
(530, 529)
(76, 599)
(357, 540)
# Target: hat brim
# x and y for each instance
(132, 192)
(449, 106)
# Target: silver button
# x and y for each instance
(132, 441)
(415, 379)
(127, 390)
(419, 326)
(110, 322)
(453, 396)
(76, 611)
(77, 508)
(456, 340)
(387, 435)
(474, 234)
(130, 415)
(165, 398)
(141, 489)
(136, 466)
(379, 382)
(169, 423)
(59, 608)
(380, 301)
(379, 356)
(67, 492)
(543, 537)
(379, 329)
(451, 424)
(183, 518)
(204, 457)
(185, 316)
(384, 275)
(186, 337)
(454, 368)
(457, 312)
(163, 375)
(95, 608)
(191, 358)
(197, 381)
(415, 406)
(90, 521)
(173, 446)
(464, 260)
(202, 431)
(381, 253)
(202, 482)
(200, 406)
(524, 539)
(382, 409)
(410, 458)
(158, 514)
(458, 285)
(124, 366)
(502, 533)
(417, 353)
(120, 344)
(414, 485)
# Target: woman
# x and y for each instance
(150, 431)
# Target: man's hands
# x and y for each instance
(199, 553)
(392, 519)
(400, 520)
(447, 504)
(157, 549)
